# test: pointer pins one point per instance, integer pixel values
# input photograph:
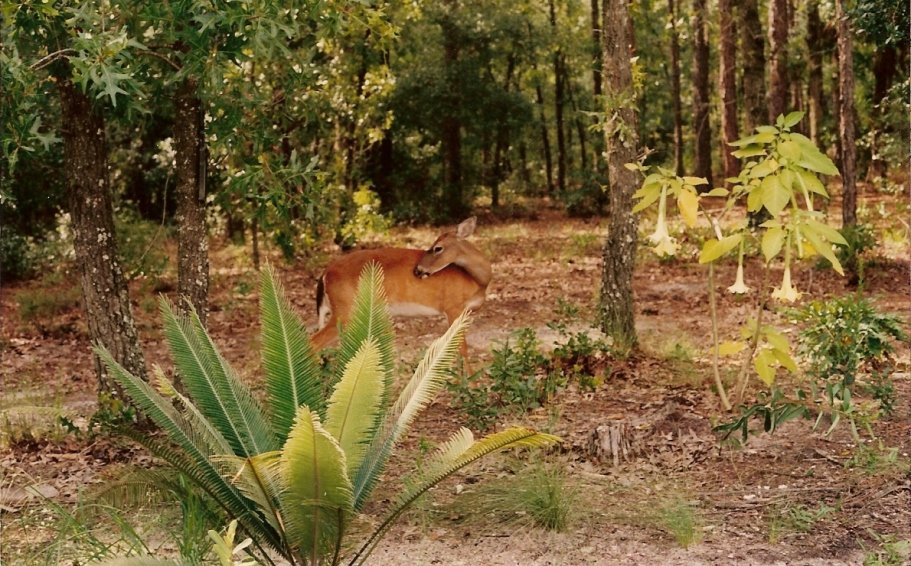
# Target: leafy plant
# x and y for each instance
(772, 409)
(795, 519)
(579, 357)
(294, 476)
(859, 239)
(892, 552)
(518, 375)
(471, 396)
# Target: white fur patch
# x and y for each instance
(325, 311)
(412, 309)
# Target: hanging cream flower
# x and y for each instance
(739, 287)
(664, 243)
(786, 292)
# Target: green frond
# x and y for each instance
(317, 498)
(259, 479)
(140, 561)
(190, 453)
(369, 320)
(454, 455)
(195, 419)
(354, 404)
(214, 386)
(292, 372)
(426, 382)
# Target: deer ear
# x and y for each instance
(466, 228)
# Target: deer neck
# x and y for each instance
(474, 262)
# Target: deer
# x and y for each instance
(446, 279)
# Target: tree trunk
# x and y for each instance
(703, 133)
(814, 70)
(596, 46)
(728, 80)
(675, 89)
(192, 238)
(615, 309)
(559, 79)
(885, 66)
(545, 140)
(454, 199)
(580, 129)
(753, 44)
(104, 289)
(846, 116)
(778, 58)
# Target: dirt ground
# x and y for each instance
(662, 393)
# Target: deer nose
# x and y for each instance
(417, 271)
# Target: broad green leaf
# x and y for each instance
(785, 360)
(811, 183)
(822, 247)
(714, 249)
(688, 203)
(776, 339)
(717, 192)
(765, 168)
(787, 178)
(755, 197)
(811, 158)
(749, 151)
(649, 194)
(763, 364)
(775, 197)
(826, 231)
(354, 405)
(772, 242)
(631, 166)
(793, 118)
(731, 347)
(760, 138)
(767, 130)
(789, 149)
(695, 181)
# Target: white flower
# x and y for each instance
(664, 243)
(786, 292)
(739, 287)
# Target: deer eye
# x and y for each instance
(437, 249)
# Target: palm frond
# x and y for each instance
(258, 478)
(198, 423)
(454, 455)
(190, 452)
(292, 373)
(369, 319)
(214, 385)
(317, 497)
(354, 404)
(141, 561)
(426, 382)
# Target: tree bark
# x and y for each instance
(885, 66)
(846, 116)
(615, 309)
(596, 46)
(559, 89)
(545, 140)
(104, 290)
(753, 84)
(778, 58)
(192, 237)
(703, 133)
(454, 199)
(814, 70)
(728, 79)
(675, 89)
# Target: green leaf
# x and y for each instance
(763, 365)
(767, 130)
(772, 242)
(775, 197)
(811, 183)
(826, 231)
(730, 348)
(755, 197)
(291, 370)
(649, 194)
(793, 118)
(695, 181)
(822, 246)
(789, 149)
(764, 168)
(688, 204)
(317, 497)
(717, 192)
(785, 360)
(354, 405)
(749, 151)
(776, 339)
(714, 249)
(811, 158)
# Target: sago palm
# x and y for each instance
(296, 472)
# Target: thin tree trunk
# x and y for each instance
(596, 46)
(104, 290)
(814, 69)
(778, 58)
(502, 141)
(451, 122)
(753, 44)
(885, 66)
(703, 132)
(728, 78)
(580, 128)
(675, 89)
(846, 116)
(559, 79)
(192, 238)
(545, 140)
(615, 309)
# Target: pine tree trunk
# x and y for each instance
(753, 44)
(615, 309)
(192, 238)
(675, 90)
(846, 116)
(728, 78)
(778, 58)
(104, 288)
(885, 66)
(560, 80)
(814, 69)
(701, 129)
(545, 139)
(596, 46)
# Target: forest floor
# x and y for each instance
(796, 496)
